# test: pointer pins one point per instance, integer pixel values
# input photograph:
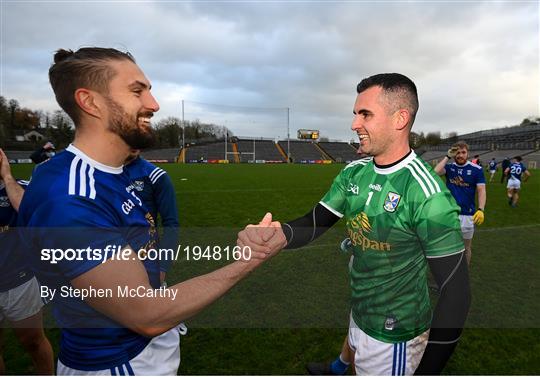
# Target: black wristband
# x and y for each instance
(448, 157)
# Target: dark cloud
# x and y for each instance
(475, 64)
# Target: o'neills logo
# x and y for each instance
(359, 228)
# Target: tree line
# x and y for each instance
(58, 128)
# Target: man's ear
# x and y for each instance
(402, 117)
(89, 102)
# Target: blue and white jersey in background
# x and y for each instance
(462, 180)
(154, 187)
(76, 202)
(13, 267)
(516, 170)
(492, 165)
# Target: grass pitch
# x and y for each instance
(294, 309)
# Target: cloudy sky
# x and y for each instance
(241, 64)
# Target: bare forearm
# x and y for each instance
(439, 168)
(195, 294)
(482, 197)
(151, 316)
(14, 191)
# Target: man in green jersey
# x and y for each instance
(401, 219)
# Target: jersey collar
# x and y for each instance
(98, 165)
(396, 167)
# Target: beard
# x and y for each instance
(128, 128)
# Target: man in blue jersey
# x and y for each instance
(89, 236)
(515, 172)
(492, 169)
(154, 187)
(464, 179)
(20, 302)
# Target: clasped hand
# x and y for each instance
(265, 239)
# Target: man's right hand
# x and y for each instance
(452, 152)
(265, 239)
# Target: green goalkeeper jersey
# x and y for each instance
(396, 218)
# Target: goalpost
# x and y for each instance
(257, 122)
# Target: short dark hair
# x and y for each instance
(399, 90)
(85, 68)
(518, 158)
(461, 145)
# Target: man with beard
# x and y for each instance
(401, 219)
(463, 179)
(81, 206)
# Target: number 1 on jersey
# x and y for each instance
(369, 197)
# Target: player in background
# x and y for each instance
(154, 187)
(400, 218)
(464, 179)
(92, 205)
(504, 164)
(20, 302)
(44, 153)
(492, 169)
(514, 173)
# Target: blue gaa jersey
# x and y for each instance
(156, 191)
(462, 180)
(74, 202)
(516, 170)
(492, 165)
(13, 267)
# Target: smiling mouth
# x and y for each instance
(144, 120)
(363, 137)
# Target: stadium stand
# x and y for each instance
(433, 157)
(18, 155)
(339, 151)
(264, 149)
(161, 155)
(532, 160)
(302, 150)
(211, 151)
(501, 154)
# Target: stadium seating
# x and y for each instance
(18, 155)
(302, 150)
(339, 151)
(532, 160)
(265, 149)
(211, 151)
(168, 155)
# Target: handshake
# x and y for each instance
(265, 239)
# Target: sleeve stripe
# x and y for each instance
(157, 176)
(73, 175)
(445, 255)
(338, 214)
(423, 175)
(155, 172)
(424, 188)
(430, 177)
(92, 182)
(82, 179)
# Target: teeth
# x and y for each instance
(362, 137)
(145, 120)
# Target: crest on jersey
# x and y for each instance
(391, 202)
(138, 185)
(4, 201)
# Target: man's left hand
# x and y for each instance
(478, 217)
